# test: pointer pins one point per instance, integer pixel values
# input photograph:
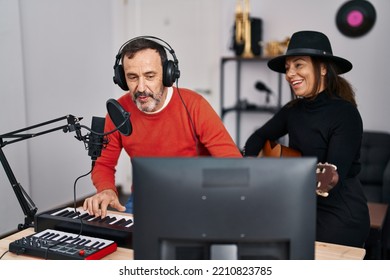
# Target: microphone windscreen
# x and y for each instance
(95, 143)
(119, 117)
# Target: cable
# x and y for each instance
(191, 121)
(4, 254)
(74, 195)
(75, 209)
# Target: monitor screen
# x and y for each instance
(224, 208)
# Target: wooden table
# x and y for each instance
(323, 251)
(329, 251)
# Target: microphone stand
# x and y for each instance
(26, 203)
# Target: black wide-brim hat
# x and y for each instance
(310, 43)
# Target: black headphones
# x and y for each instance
(171, 70)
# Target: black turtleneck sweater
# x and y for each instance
(329, 129)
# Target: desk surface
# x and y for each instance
(323, 251)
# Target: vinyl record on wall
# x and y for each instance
(355, 18)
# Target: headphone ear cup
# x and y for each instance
(169, 73)
(119, 77)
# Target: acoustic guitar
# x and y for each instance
(327, 175)
(273, 149)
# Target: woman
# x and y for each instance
(324, 122)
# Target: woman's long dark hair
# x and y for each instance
(338, 85)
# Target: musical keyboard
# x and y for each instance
(57, 245)
(115, 226)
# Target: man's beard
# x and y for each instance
(152, 103)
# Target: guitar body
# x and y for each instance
(327, 176)
(272, 149)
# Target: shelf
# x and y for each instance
(250, 108)
(246, 59)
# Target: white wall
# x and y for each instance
(367, 53)
(57, 57)
(12, 112)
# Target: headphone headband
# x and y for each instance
(170, 68)
(167, 46)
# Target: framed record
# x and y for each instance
(355, 18)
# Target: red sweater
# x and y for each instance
(167, 133)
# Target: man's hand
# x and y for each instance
(98, 203)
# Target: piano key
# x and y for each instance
(84, 242)
(74, 214)
(82, 216)
(89, 217)
(119, 222)
(68, 215)
(110, 220)
(61, 213)
(95, 219)
(104, 219)
(128, 223)
(62, 238)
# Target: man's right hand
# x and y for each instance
(97, 204)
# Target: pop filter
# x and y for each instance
(119, 117)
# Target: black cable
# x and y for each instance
(4, 254)
(191, 121)
(75, 209)
(74, 195)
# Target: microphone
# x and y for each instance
(119, 117)
(96, 139)
(262, 87)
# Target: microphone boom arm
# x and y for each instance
(26, 203)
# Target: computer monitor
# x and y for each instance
(224, 208)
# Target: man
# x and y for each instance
(167, 121)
